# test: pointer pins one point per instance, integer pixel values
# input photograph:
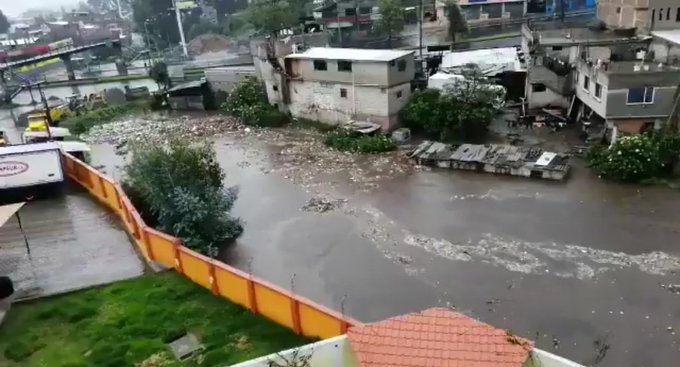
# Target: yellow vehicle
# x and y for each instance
(37, 121)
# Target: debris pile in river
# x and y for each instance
(151, 128)
(322, 205)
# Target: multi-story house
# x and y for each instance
(643, 15)
(335, 85)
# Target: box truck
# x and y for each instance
(28, 170)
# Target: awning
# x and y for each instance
(7, 211)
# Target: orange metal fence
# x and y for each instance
(303, 316)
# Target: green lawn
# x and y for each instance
(128, 324)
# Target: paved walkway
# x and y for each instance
(67, 243)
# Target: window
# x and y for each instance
(668, 14)
(401, 65)
(365, 10)
(643, 95)
(661, 14)
(320, 65)
(343, 93)
(364, 26)
(677, 16)
(344, 65)
(598, 90)
(586, 83)
(653, 15)
(538, 87)
(557, 48)
(399, 95)
(618, 10)
(275, 88)
(392, 63)
(350, 12)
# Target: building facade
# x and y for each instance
(335, 85)
(643, 15)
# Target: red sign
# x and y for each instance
(12, 168)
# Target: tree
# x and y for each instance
(461, 113)
(392, 18)
(248, 101)
(159, 73)
(457, 22)
(180, 184)
(271, 16)
(4, 23)
(203, 27)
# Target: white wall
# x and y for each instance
(334, 352)
(599, 105)
(323, 102)
(545, 98)
(541, 358)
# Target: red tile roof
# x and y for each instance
(437, 337)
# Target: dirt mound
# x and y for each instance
(210, 43)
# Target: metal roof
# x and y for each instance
(670, 36)
(353, 54)
(28, 148)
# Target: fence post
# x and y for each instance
(213, 280)
(251, 295)
(295, 313)
(101, 184)
(147, 243)
(178, 259)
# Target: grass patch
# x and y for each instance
(81, 124)
(129, 323)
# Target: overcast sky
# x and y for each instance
(14, 8)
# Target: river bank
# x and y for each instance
(577, 265)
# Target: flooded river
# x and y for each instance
(583, 267)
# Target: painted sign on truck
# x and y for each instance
(29, 165)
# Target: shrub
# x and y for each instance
(630, 159)
(248, 101)
(21, 348)
(345, 140)
(181, 185)
(83, 123)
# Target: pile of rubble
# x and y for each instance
(155, 127)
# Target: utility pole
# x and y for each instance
(179, 26)
(48, 115)
(420, 32)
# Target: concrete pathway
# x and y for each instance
(67, 243)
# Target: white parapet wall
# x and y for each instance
(333, 352)
(541, 358)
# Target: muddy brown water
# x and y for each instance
(577, 266)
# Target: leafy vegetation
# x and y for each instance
(248, 101)
(180, 185)
(129, 323)
(159, 73)
(349, 141)
(271, 16)
(636, 158)
(457, 22)
(460, 115)
(392, 18)
(81, 124)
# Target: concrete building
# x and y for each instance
(335, 85)
(644, 15)
(553, 54)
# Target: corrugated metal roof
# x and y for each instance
(670, 36)
(436, 337)
(27, 148)
(353, 54)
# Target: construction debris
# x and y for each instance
(322, 205)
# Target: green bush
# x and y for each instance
(630, 159)
(83, 123)
(180, 185)
(248, 101)
(348, 141)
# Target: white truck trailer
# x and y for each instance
(28, 170)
